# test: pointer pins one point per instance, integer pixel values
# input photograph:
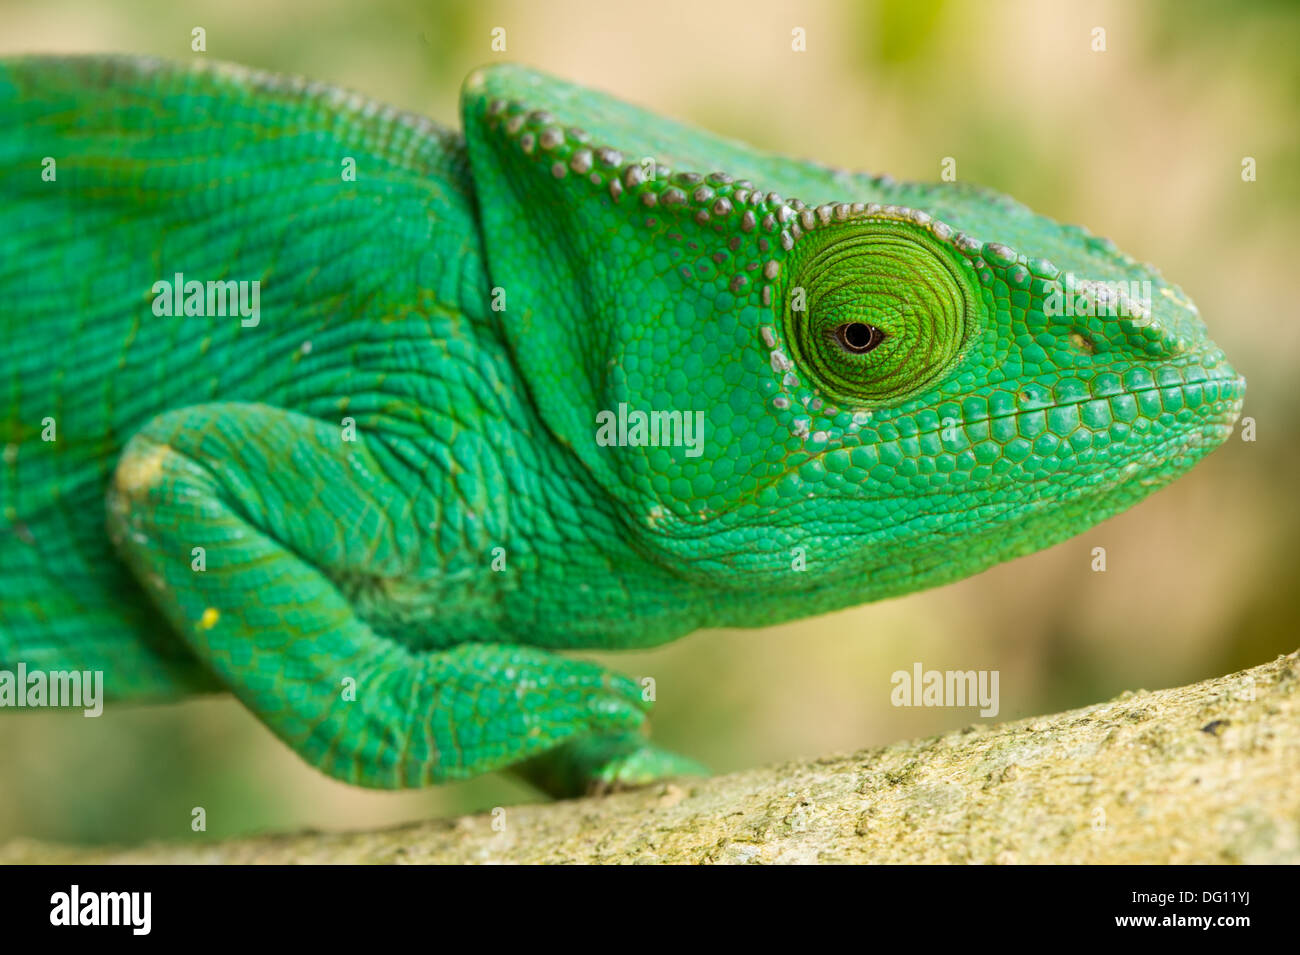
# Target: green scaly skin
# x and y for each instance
(974, 424)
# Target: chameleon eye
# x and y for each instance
(858, 338)
(877, 312)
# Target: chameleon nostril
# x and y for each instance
(1083, 343)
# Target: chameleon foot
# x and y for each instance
(610, 762)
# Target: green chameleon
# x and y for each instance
(578, 378)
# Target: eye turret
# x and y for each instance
(877, 311)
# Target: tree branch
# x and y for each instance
(1202, 773)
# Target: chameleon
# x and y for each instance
(371, 422)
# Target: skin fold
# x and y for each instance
(377, 512)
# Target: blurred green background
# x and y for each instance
(1142, 143)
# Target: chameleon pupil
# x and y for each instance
(859, 337)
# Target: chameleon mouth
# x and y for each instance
(1141, 424)
(1218, 401)
(1148, 411)
(1157, 444)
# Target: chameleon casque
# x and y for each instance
(393, 476)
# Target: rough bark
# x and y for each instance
(1202, 773)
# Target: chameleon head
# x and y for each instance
(960, 402)
(894, 388)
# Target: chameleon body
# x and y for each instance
(379, 512)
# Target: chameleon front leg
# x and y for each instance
(285, 510)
